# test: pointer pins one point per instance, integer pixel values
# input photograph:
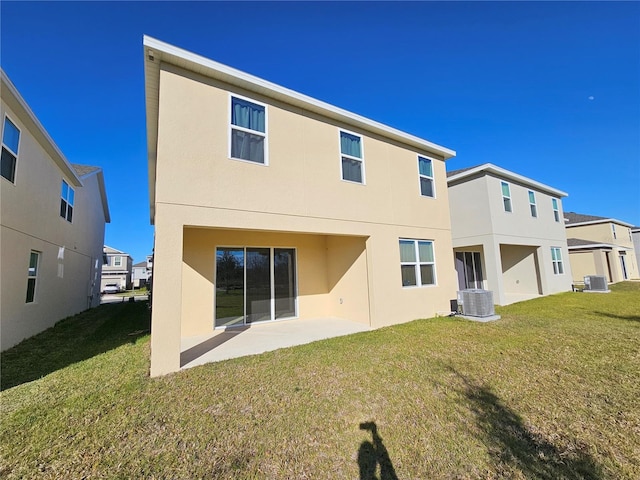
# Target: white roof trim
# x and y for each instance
(53, 150)
(604, 220)
(598, 245)
(156, 51)
(508, 175)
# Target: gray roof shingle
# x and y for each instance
(573, 217)
(83, 170)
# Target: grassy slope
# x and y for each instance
(550, 391)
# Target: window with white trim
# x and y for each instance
(67, 200)
(556, 211)
(417, 263)
(613, 230)
(556, 258)
(425, 170)
(532, 204)
(506, 196)
(351, 158)
(117, 261)
(32, 276)
(10, 142)
(248, 131)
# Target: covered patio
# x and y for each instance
(258, 338)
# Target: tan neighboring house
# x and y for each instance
(53, 216)
(117, 269)
(508, 234)
(601, 246)
(635, 235)
(271, 205)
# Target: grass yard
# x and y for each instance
(551, 391)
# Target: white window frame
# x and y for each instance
(556, 210)
(558, 263)
(431, 178)
(613, 229)
(533, 206)
(15, 154)
(350, 157)
(248, 130)
(504, 206)
(418, 263)
(117, 261)
(33, 276)
(66, 200)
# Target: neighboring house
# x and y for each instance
(508, 234)
(269, 204)
(635, 235)
(117, 269)
(600, 246)
(52, 218)
(140, 274)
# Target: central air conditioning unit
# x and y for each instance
(596, 283)
(476, 302)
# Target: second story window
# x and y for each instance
(613, 230)
(425, 168)
(248, 131)
(117, 261)
(506, 196)
(556, 211)
(10, 141)
(532, 204)
(351, 157)
(66, 202)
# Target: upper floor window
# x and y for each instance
(32, 276)
(532, 204)
(351, 157)
(613, 230)
(66, 201)
(425, 168)
(556, 258)
(10, 142)
(117, 261)
(556, 212)
(506, 196)
(248, 131)
(417, 263)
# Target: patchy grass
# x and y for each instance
(550, 391)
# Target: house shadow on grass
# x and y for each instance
(632, 318)
(73, 340)
(374, 454)
(515, 446)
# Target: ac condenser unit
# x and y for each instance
(476, 302)
(596, 283)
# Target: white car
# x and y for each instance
(111, 288)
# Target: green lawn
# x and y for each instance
(552, 390)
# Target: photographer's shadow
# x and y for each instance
(373, 454)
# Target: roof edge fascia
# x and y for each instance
(595, 222)
(506, 174)
(53, 149)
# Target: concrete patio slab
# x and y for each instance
(260, 338)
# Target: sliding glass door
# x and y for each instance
(254, 285)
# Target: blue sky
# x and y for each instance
(550, 90)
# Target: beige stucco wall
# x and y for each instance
(594, 262)
(479, 223)
(346, 234)
(30, 220)
(603, 233)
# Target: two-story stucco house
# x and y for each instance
(52, 218)
(635, 236)
(271, 205)
(600, 246)
(141, 273)
(117, 269)
(508, 234)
